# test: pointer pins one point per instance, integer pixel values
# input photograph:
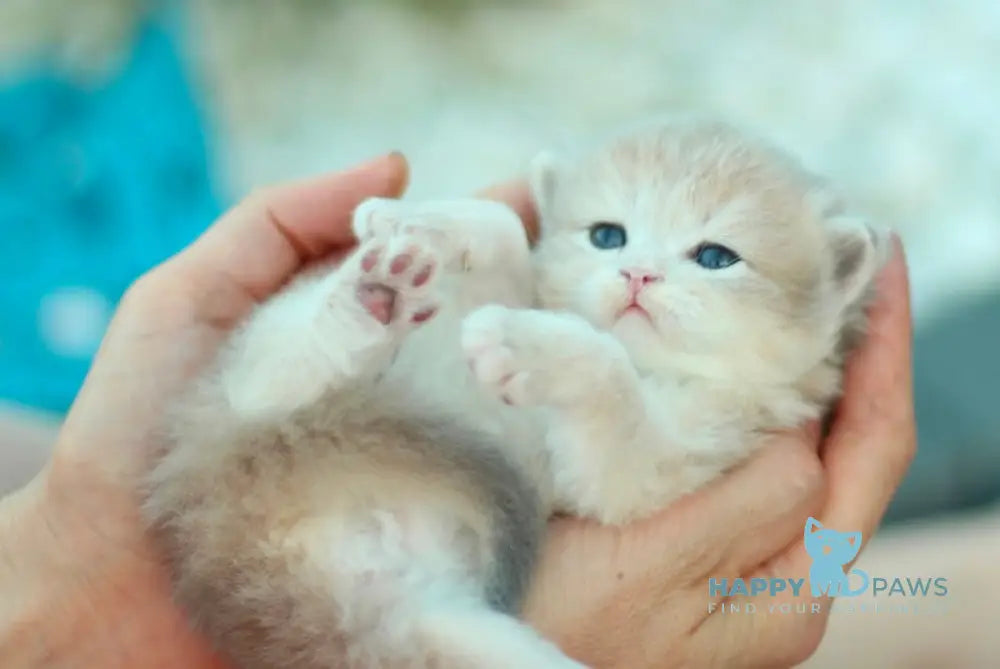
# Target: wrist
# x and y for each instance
(26, 547)
(81, 594)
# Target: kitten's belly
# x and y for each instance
(430, 369)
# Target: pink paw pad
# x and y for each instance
(378, 300)
(400, 263)
(369, 260)
(423, 275)
(423, 316)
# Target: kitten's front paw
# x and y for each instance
(489, 354)
(394, 284)
(529, 357)
(467, 233)
(380, 218)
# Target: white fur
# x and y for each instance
(608, 413)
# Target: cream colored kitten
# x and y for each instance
(363, 478)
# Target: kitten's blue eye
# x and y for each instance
(607, 235)
(715, 256)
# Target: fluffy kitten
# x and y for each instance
(363, 478)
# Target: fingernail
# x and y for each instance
(379, 160)
(897, 241)
(889, 245)
(402, 171)
(897, 249)
(394, 165)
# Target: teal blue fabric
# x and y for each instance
(96, 186)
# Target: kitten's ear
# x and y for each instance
(859, 252)
(812, 525)
(542, 179)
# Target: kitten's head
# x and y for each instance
(704, 251)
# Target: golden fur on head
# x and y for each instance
(773, 320)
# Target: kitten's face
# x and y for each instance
(700, 250)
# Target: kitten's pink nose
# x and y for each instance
(637, 278)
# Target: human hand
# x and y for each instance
(101, 595)
(82, 583)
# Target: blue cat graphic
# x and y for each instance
(830, 551)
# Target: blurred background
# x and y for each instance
(126, 126)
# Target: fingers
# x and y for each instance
(873, 438)
(515, 194)
(725, 531)
(741, 519)
(866, 455)
(783, 631)
(260, 243)
(777, 491)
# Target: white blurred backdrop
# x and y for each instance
(896, 100)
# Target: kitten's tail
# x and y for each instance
(864, 585)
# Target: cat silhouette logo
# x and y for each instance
(830, 550)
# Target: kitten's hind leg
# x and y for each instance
(395, 589)
(327, 332)
(479, 638)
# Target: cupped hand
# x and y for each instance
(93, 592)
(639, 597)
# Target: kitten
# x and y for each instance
(363, 477)
(715, 287)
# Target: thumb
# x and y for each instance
(264, 240)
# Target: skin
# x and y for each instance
(83, 585)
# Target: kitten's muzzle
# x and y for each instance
(638, 279)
